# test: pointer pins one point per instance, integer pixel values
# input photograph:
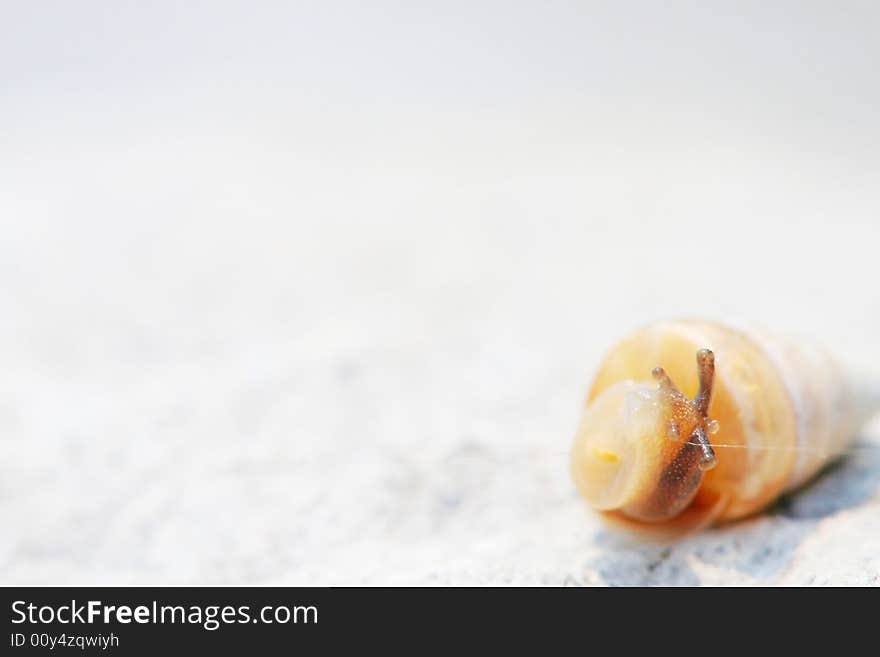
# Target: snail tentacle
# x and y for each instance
(709, 459)
(706, 370)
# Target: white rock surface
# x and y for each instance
(302, 310)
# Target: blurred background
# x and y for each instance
(311, 292)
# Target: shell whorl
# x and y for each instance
(825, 397)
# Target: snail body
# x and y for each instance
(779, 410)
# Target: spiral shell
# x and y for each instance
(779, 411)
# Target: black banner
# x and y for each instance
(149, 621)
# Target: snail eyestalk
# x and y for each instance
(631, 454)
(706, 371)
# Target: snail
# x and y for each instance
(727, 420)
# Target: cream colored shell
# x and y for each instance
(785, 409)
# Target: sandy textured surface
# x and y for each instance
(333, 325)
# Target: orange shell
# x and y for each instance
(784, 410)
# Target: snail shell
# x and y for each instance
(778, 409)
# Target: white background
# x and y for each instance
(311, 292)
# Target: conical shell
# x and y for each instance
(785, 408)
